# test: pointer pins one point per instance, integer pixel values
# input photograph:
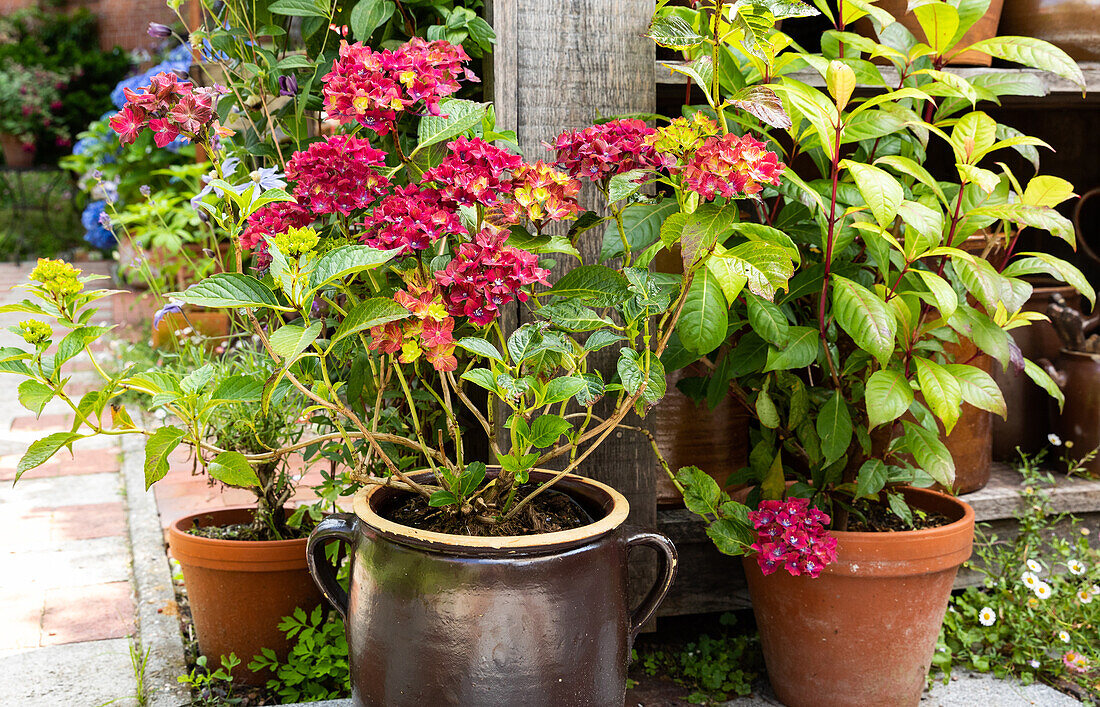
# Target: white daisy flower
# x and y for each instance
(1094, 589)
(1054, 439)
(1043, 590)
(1084, 596)
(1034, 566)
(1063, 636)
(987, 617)
(1030, 580)
(1076, 567)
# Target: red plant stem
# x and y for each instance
(829, 239)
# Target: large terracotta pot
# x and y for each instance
(437, 619)
(239, 591)
(17, 154)
(1078, 375)
(692, 434)
(1071, 25)
(1026, 427)
(863, 633)
(984, 28)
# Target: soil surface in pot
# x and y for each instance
(868, 517)
(247, 532)
(549, 512)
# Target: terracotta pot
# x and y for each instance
(17, 155)
(1071, 25)
(1024, 428)
(1078, 375)
(240, 590)
(691, 434)
(971, 440)
(437, 619)
(210, 324)
(984, 28)
(863, 633)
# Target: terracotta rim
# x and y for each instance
(235, 555)
(614, 504)
(1083, 355)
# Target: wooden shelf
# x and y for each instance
(1049, 83)
(709, 581)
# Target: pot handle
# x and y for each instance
(343, 527)
(1059, 377)
(666, 557)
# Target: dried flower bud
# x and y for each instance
(158, 30)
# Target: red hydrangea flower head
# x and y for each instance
(337, 175)
(541, 193)
(167, 106)
(487, 274)
(271, 220)
(731, 166)
(373, 88)
(429, 333)
(600, 152)
(411, 218)
(792, 535)
(475, 172)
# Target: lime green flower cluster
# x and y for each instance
(682, 136)
(296, 241)
(57, 277)
(35, 332)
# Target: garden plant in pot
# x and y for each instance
(847, 372)
(29, 99)
(382, 276)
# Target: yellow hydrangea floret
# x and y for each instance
(296, 241)
(57, 277)
(682, 136)
(35, 332)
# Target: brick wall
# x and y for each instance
(121, 22)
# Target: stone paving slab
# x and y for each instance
(86, 674)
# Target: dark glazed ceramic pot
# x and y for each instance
(863, 633)
(1078, 375)
(1071, 25)
(437, 619)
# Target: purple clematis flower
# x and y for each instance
(170, 308)
(288, 85)
(156, 29)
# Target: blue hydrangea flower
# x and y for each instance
(179, 59)
(97, 235)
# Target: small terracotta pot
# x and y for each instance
(16, 153)
(240, 590)
(209, 324)
(692, 434)
(438, 619)
(863, 633)
(1071, 25)
(1078, 375)
(984, 28)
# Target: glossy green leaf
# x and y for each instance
(290, 340)
(347, 260)
(705, 316)
(1044, 381)
(232, 469)
(34, 396)
(157, 448)
(888, 396)
(865, 317)
(834, 427)
(800, 351)
(930, 453)
(596, 285)
(369, 313)
(978, 388)
(882, 193)
(230, 290)
(1034, 53)
(369, 15)
(941, 390)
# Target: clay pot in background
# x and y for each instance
(208, 324)
(863, 633)
(971, 440)
(1071, 25)
(691, 434)
(1078, 375)
(1027, 425)
(984, 28)
(240, 590)
(16, 153)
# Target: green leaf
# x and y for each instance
(442, 498)
(369, 15)
(730, 536)
(768, 320)
(888, 396)
(774, 483)
(291, 340)
(705, 316)
(1047, 190)
(459, 116)
(471, 478)
(941, 390)
(481, 377)
(672, 32)
(914, 170)
(547, 429)
(1044, 381)
(369, 313)
(230, 290)
(865, 317)
(625, 184)
(481, 347)
(939, 21)
(198, 379)
(232, 469)
(882, 193)
(766, 411)
(946, 300)
(1041, 217)
(931, 455)
(573, 316)
(834, 427)
(765, 267)
(702, 495)
(631, 367)
(700, 71)
(978, 388)
(602, 339)
(294, 61)
(345, 260)
(641, 225)
(1034, 53)
(597, 285)
(75, 341)
(703, 228)
(41, 450)
(34, 396)
(1038, 262)
(157, 448)
(561, 389)
(299, 8)
(799, 352)
(239, 388)
(871, 479)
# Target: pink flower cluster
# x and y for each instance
(792, 535)
(372, 88)
(602, 151)
(169, 107)
(487, 274)
(430, 334)
(270, 220)
(541, 193)
(731, 166)
(411, 218)
(337, 175)
(474, 172)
